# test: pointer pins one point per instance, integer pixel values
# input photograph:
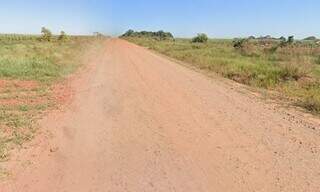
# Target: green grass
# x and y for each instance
(293, 70)
(26, 59)
(37, 60)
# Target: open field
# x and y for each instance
(30, 70)
(293, 70)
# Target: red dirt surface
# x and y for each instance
(62, 93)
(21, 91)
(139, 122)
(19, 84)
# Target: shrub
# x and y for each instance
(200, 38)
(311, 38)
(62, 36)
(46, 34)
(163, 35)
(282, 39)
(246, 47)
(239, 43)
(290, 40)
(129, 33)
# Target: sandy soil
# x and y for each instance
(139, 122)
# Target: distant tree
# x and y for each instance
(283, 43)
(311, 38)
(163, 35)
(267, 37)
(46, 34)
(251, 37)
(129, 33)
(62, 36)
(159, 35)
(290, 40)
(282, 38)
(200, 38)
(98, 35)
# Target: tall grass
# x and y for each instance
(31, 59)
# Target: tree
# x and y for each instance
(311, 38)
(46, 34)
(98, 35)
(62, 36)
(159, 35)
(290, 40)
(163, 35)
(129, 33)
(282, 39)
(200, 38)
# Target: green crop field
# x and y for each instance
(292, 69)
(29, 68)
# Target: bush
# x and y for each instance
(239, 43)
(282, 39)
(311, 38)
(290, 40)
(46, 34)
(62, 36)
(200, 38)
(246, 47)
(129, 33)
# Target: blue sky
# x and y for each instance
(184, 18)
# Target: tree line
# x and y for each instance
(161, 35)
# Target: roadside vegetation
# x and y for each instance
(282, 64)
(30, 67)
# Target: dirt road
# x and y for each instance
(139, 122)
